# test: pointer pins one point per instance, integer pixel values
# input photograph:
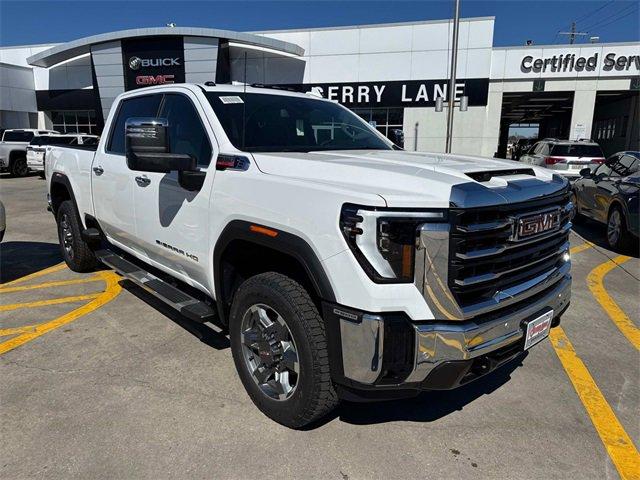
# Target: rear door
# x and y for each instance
(112, 182)
(173, 226)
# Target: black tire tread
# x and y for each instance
(324, 397)
(84, 259)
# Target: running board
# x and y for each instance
(187, 305)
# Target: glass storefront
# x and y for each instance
(74, 121)
(384, 119)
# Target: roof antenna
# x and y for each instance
(244, 99)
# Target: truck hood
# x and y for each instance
(415, 179)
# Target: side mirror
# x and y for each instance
(148, 149)
(585, 172)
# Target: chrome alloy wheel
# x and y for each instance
(614, 227)
(66, 235)
(269, 352)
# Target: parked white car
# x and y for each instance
(37, 149)
(565, 157)
(13, 149)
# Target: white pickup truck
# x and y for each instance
(39, 146)
(342, 266)
(13, 149)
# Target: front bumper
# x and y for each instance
(390, 352)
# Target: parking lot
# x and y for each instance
(99, 380)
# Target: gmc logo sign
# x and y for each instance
(532, 225)
(147, 80)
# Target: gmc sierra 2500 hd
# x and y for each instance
(342, 266)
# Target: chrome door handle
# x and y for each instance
(98, 170)
(143, 181)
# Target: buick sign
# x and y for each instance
(537, 224)
(135, 63)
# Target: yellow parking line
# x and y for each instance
(111, 291)
(621, 320)
(14, 331)
(619, 445)
(49, 284)
(581, 247)
(43, 303)
(46, 271)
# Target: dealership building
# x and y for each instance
(390, 74)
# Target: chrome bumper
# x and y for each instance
(363, 339)
(440, 342)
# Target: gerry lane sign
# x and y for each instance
(409, 93)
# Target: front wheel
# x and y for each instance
(617, 235)
(19, 167)
(280, 350)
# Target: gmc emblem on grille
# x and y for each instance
(532, 225)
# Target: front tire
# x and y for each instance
(19, 167)
(75, 251)
(617, 235)
(280, 350)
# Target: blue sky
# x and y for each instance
(30, 22)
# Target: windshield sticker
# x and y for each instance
(231, 99)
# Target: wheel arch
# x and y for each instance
(241, 252)
(60, 190)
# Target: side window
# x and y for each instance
(146, 106)
(603, 170)
(534, 148)
(544, 149)
(186, 132)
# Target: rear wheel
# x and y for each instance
(19, 167)
(280, 350)
(617, 235)
(75, 251)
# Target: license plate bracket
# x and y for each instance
(537, 329)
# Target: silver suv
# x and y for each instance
(566, 157)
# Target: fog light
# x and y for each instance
(566, 257)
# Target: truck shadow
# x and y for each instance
(428, 406)
(215, 338)
(18, 259)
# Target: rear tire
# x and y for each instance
(618, 237)
(75, 251)
(41, 174)
(576, 216)
(18, 167)
(293, 390)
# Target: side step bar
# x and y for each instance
(187, 305)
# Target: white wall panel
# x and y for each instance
(385, 39)
(334, 42)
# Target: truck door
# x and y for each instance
(112, 182)
(173, 226)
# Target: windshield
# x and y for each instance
(17, 136)
(577, 150)
(279, 123)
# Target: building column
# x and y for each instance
(109, 71)
(584, 102)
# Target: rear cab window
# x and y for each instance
(577, 150)
(17, 136)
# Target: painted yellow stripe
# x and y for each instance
(44, 303)
(46, 271)
(619, 445)
(16, 330)
(111, 291)
(60, 283)
(622, 321)
(580, 248)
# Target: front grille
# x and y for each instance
(484, 258)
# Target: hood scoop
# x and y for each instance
(486, 176)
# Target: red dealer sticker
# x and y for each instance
(538, 329)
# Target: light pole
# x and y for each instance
(452, 79)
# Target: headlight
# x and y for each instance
(384, 240)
